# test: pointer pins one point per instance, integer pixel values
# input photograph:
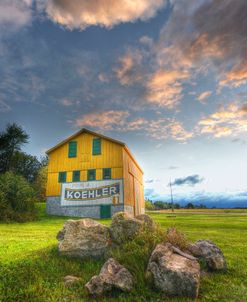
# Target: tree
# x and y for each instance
(40, 183)
(149, 205)
(11, 141)
(26, 165)
(16, 198)
(189, 206)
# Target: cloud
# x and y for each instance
(106, 120)
(191, 180)
(204, 38)
(4, 107)
(173, 167)
(228, 121)
(164, 87)
(68, 102)
(129, 72)
(15, 14)
(107, 13)
(121, 121)
(210, 199)
(151, 181)
(202, 96)
(162, 128)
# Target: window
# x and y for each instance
(91, 174)
(76, 176)
(62, 176)
(107, 173)
(72, 149)
(96, 146)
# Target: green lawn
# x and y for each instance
(31, 270)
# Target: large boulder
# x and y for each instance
(210, 252)
(112, 276)
(124, 227)
(84, 238)
(173, 272)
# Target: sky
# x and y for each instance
(169, 78)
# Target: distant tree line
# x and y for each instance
(163, 205)
(22, 176)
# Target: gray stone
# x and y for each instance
(124, 227)
(53, 207)
(172, 273)
(147, 221)
(112, 276)
(70, 280)
(84, 238)
(210, 252)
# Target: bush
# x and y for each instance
(16, 198)
(149, 205)
(177, 238)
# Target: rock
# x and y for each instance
(172, 273)
(124, 227)
(70, 280)
(147, 221)
(112, 276)
(84, 238)
(210, 252)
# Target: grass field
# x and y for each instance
(31, 270)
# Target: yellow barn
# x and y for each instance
(92, 175)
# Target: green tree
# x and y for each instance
(149, 205)
(189, 206)
(11, 141)
(40, 183)
(16, 198)
(26, 165)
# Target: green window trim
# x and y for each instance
(107, 173)
(62, 177)
(91, 174)
(76, 176)
(96, 146)
(72, 149)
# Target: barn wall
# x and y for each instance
(111, 157)
(133, 185)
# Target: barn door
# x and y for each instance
(105, 211)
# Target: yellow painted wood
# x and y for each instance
(133, 184)
(111, 157)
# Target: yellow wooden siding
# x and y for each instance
(133, 184)
(111, 157)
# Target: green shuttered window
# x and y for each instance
(91, 174)
(107, 173)
(62, 176)
(76, 176)
(96, 146)
(72, 149)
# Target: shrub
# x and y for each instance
(16, 198)
(177, 238)
(149, 205)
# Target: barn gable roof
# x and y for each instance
(84, 130)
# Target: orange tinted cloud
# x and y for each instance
(106, 120)
(235, 77)
(225, 122)
(120, 121)
(107, 13)
(128, 72)
(201, 97)
(164, 87)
